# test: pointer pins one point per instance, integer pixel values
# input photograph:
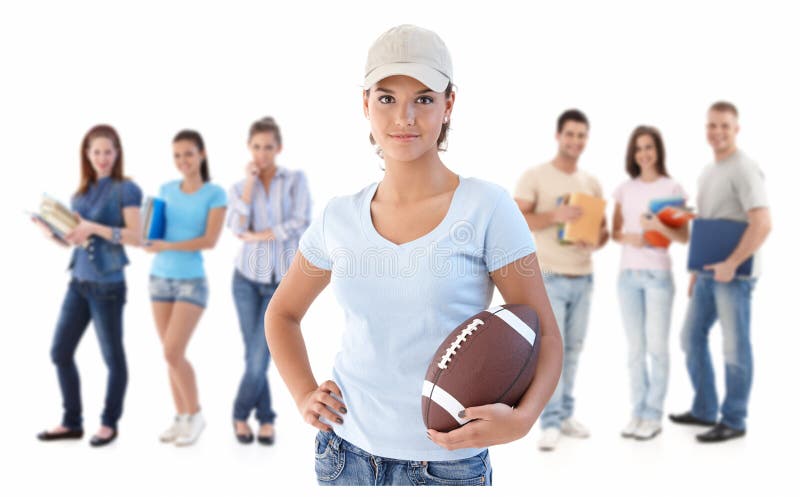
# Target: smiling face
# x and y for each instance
(406, 117)
(264, 147)
(646, 154)
(572, 139)
(721, 130)
(102, 156)
(188, 157)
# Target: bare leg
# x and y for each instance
(162, 311)
(182, 322)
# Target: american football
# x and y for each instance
(489, 358)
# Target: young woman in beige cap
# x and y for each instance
(409, 258)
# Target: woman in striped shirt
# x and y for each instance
(268, 210)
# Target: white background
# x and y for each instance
(152, 70)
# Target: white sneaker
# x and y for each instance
(171, 433)
(190, 429)
(549, 439)
(630, 430)
(571, 428)
(648, 429)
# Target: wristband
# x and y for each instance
(116, 235)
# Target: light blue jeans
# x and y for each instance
(570, 298)
(730, 303)
(338, 462)
(645, 298)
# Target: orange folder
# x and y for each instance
(586, 228)
(674, 217)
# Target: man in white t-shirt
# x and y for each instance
(732, 187)
(566, 269)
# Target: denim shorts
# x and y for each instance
(193, 290)
(338, 462)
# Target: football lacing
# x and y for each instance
(461, 338)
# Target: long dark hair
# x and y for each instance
(88, 174)
(633, 169)
(195, 137)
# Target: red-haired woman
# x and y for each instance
(107, 205)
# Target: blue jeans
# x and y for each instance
(338, 462)
(570, 298)
(251, 301)
(101, 303)
(645, 298)
(730, 302)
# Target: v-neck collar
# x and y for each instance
(369, 226)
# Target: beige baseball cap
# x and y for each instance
(412, 51)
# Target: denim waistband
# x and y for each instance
(336, 442)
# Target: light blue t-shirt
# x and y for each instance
(401, 301)
(186, 214)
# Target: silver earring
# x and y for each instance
(446, 119)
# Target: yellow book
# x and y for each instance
(586, 228)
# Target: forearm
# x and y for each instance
(195, 244)
(288, 350)
(548, 368)
(260, 236)
(539, 220)
(604, 236)
(680, 235)
(247, 197)
(128, 236)
(548, 372)
(752, 238)
(287, 229)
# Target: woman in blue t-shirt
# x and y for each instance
(194, 212)
(107, 207)
(409, 258)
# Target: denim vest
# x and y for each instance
(105, 256)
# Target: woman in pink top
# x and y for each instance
(645, 283)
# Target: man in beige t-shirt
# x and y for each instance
(567, 269)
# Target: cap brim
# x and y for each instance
(426, 75)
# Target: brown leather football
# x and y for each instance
(489, 358)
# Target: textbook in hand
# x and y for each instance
(670, 211)
(57, 217)
(586, 228)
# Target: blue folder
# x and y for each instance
(659, 203)
(156, 221)
(713, 240)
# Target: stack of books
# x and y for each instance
(671, 211)
(56, 216)
(586, 228)
(154, 219)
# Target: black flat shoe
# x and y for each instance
(266, 440)
(100, 441)
(720, 433)
(47, 436)
(243, 439)
(688, 419)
